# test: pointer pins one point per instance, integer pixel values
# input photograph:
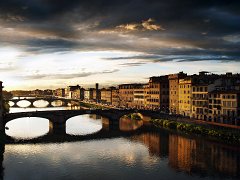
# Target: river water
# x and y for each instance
(146, 153)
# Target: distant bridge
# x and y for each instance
(48, 99)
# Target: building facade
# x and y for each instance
(88, 94)
(115, 97)
(138, 99)
(224, 107)
(185, 94)
(174, 91)
(78, 93)
(159, 93)
(126, 94)
(201, 86)
(106, 96)
(60, 92)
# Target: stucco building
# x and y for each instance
(115, 97)
(139, 97)
(185, 94)
(88, 94)
(174, 91)
(106, 96)
(158, 93)
(126, 94)
(60, 92)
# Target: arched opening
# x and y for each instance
(11, 103)
(23, 103)
(57, 103)
(27, 128)
(84, 124)
(40, 103)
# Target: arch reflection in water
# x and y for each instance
(27, 128)
(84, 124)
(57, 103)
(40, 103)
(10, 103)
(127, 124)
(23, 103)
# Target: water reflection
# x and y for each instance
(83, 124)
(148, 153)
(27, 128)
(10, 103)
(23, 103)
(57, 103)
(193, 156)
(40, 103)
(127, 124)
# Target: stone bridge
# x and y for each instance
(106, 132)
(58, 118)
(49, 100)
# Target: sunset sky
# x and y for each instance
(55, 43)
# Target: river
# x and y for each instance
(149, 153)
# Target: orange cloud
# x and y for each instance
(149, 25)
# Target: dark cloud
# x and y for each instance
(193, 30)
(143, 59)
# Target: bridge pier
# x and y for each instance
(113, 124)
(14, 105)
(57, 128)
(57, 124)
(50, 104)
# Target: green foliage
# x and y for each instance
(133, 116)
(225, 135)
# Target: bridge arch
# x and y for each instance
(24, 115)
(27, 128)
(25, 101)
(85, 124)
(47, 103)
(56, 101)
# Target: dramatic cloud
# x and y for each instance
(145, 25)
(54, 26)
(160, 31)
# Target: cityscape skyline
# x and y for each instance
(45, 44)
